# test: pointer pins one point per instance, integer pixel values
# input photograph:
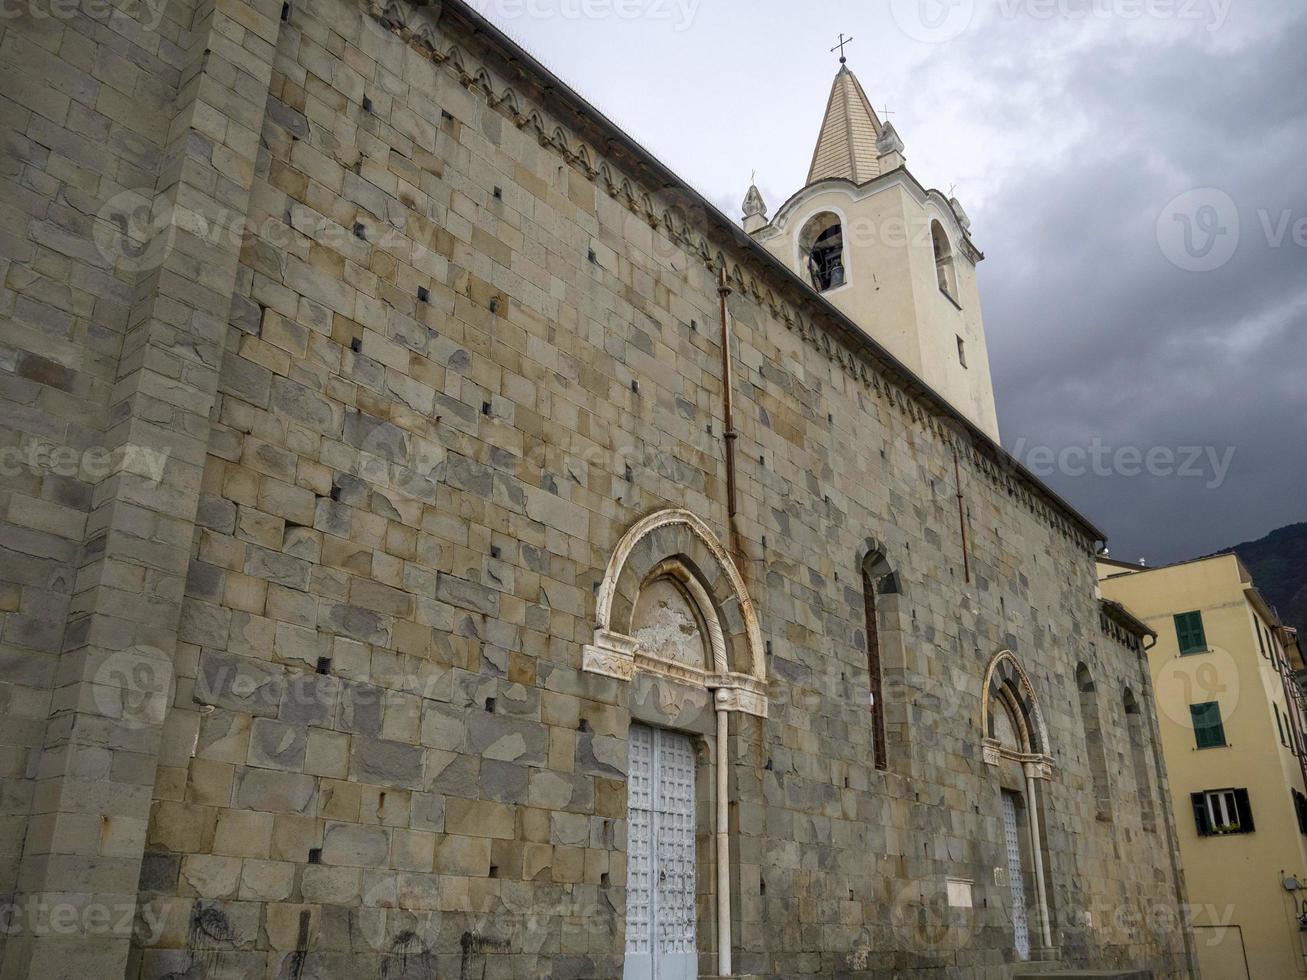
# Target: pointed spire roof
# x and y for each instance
(846, 146)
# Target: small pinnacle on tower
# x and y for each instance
(755, 208)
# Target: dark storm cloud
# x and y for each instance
(1095, 335)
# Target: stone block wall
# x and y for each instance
(127, 127)
(84, 106)
(419, 357)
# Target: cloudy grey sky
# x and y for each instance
(1135, 171)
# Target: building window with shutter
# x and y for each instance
(1189, 631)
(1221, 812)
(1300, 808)
(1209, 732)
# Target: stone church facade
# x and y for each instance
(438, 543)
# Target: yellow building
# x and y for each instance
(1231, 723)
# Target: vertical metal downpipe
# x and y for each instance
(728, 385)
(962, 516)
(723, 720)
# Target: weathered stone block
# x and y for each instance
(507, 739)
(386, 763)
(277, 745)
(274, 792)
(239, 683)
(355, 846)
(467, 595)
(459, 855)
(479, 818)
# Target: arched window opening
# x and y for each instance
(1138, 754)
(1095, 751)
(821, 249)
(881, 595)
(945, 274)
(877, 698)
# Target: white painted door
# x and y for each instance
(1016, 880)
(660, 871)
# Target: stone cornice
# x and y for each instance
(1121, 625)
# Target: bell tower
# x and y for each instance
(893, 256)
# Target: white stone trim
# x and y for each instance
(612, 655)
(1026, 688)
(619, 656)
(667, 518)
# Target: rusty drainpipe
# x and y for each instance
(724, 291)
(962, 515)
(724, 941)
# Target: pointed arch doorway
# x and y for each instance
(673, 617)
(1015, 744)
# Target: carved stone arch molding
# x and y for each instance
(1007, 688)
(678, 546)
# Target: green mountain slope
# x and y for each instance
(1278, 563)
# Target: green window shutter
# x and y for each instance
(1246, 825)
(1198, 715)
(1182, 632)
(1199, 801)
(1209, 733)
(1189, 632)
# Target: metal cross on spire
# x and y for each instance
(840, 47)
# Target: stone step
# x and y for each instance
(1045, 974)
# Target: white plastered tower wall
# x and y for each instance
(891, 287)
